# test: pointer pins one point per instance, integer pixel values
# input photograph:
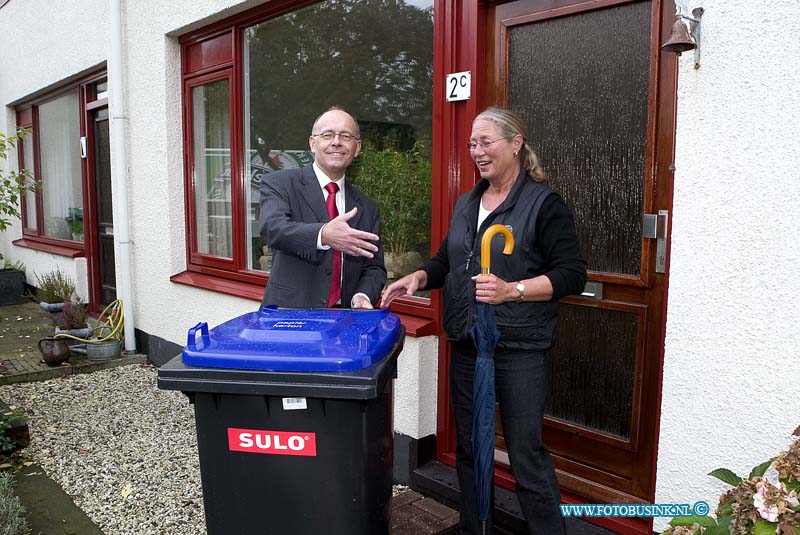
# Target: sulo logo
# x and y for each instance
(272, 442)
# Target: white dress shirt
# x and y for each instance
(324, 180)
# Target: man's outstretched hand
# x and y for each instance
(338, 234)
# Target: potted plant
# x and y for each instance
(75, 221)
(13, 187)
(756, 505)
(56, 291)
(74, 328)
(12, 281)
(400, 182)
(72, 332)
(53, 289)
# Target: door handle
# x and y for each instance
(593, 290)
(654, 226)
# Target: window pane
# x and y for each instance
(101, 90)
(60, 164)
(30, 198)
(212, 168)
(591, 384)
(340, 53)
(586, 112)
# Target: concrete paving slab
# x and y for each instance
(50, 510)
(21, 327)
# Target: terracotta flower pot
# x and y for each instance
(54, 351)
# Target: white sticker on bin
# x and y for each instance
(293, 404)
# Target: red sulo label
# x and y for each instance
(272, 442)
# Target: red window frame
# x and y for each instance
(197, 258)
(208, 57)
(214, 53)
(28, 117)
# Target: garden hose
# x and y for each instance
(114, 321)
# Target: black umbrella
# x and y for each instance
(485, 336)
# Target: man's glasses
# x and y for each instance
(345, 137)
(485, 143)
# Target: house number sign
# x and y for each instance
(458, 86)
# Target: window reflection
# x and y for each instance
(30, 199)
(60, 164)
(340, 53)
(212, 168)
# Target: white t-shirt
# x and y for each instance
(483, 213)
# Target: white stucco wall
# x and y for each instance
(155, 167)
(416, 387)
(155, 142)
(151, 58)
(43, 44)
(731, 353)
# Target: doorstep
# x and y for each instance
(439, 481)
(414, 514)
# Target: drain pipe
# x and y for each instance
(119, 173)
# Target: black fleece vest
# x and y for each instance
(528, 326)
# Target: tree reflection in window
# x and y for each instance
(372, 58)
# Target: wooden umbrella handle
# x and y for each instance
(486, 245)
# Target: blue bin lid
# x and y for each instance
(275, 339)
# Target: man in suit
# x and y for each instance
(323, 232)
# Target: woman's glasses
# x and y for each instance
(485, 143)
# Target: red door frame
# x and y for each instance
(89, 104)
(460, 45)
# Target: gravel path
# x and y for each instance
(125, 451)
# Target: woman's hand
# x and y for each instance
(405, 286)
(493, 290)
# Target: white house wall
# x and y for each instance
(731, 361)
(44, 43)
(165, 309)
(416, 387)
(155, 168)
(77, 40)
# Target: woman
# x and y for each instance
(546, 265)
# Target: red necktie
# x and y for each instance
(336, 275)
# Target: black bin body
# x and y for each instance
(294, 451)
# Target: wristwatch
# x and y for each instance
(520, 291)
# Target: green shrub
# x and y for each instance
(5, 263)
(7, 445)
(400, 182)
(14, 185)
(12, 514)
(54, 286)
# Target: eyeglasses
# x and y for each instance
(345, 137)
(485, 143)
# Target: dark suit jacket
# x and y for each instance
(292, 212)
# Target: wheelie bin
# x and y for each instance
(293, 418)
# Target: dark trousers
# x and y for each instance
(521, 387)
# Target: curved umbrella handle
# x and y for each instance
(486, 245)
